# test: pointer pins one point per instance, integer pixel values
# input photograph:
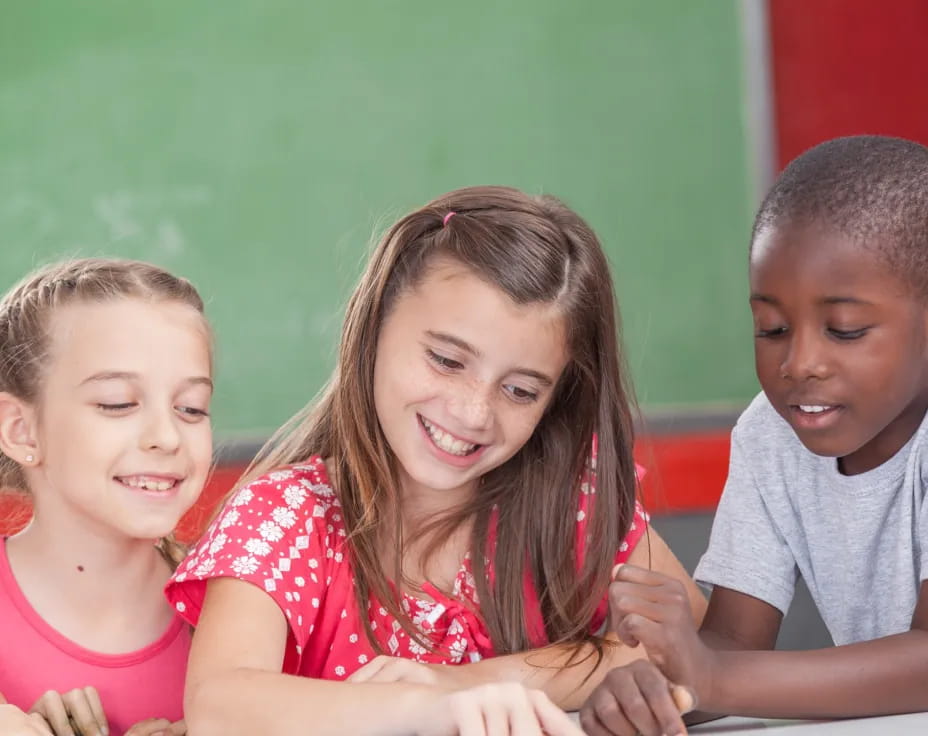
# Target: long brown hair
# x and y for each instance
(25, 314)
(536, 250)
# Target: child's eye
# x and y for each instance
(523, 396)
(442, 362)
(772, 332)
(116, 407)
(192, 412)
(848, 334)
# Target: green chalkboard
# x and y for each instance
(256, 147)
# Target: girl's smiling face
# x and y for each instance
(462, 377)
(841, 344)
(123, 431)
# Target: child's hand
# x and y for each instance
(158, 727)
(636, 699)
(496, 709)
(654, 610)
(77, 712)
(14, 722)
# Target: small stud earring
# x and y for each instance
(30, 458)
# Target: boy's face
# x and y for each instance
(841, 344)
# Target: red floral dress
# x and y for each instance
(284, 533)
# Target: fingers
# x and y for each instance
(369, 671)
(500, 709)
(640, 596)
(15, 722)
(683, 698)
(51, 707)
(78, 712)
(83, 713)
(636, 699)
(395, 669)
(39, 725)
(96, 708)
(178, 728)
(625, 573)
(554, 721)
(467, 717)
(150, 727)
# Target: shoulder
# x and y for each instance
(290, 508)
(295, 490)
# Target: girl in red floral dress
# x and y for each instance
(439, 504)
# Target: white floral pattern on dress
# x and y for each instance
(285, 533)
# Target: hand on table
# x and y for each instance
(649, 696)
(496, 709)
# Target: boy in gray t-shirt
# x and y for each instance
(828, 469)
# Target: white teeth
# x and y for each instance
(148, 484)
(813, 409)
(446, 442)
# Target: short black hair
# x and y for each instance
(870, 188)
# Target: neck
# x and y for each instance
(419, 503)
(80, 563)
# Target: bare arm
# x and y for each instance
(234, 686)
(886, 675)
(570, 686)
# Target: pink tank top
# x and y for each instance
(34, 658)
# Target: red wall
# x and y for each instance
(684, 473)
(843, 67)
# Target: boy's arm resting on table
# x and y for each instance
(547, 668)
(234, 685)
(877, 677)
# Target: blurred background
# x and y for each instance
(258, 148)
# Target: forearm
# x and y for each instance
(870, 678)
(251, 701)
(567, 682)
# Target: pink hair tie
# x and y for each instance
(447, 217)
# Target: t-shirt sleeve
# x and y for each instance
(273, 534)
(922, 522)
(747, 551)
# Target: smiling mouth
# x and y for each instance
(149, 483)
(814, 416)
(445, 441)
(813, 408)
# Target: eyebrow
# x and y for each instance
(468, 348)
(829, 300)
(129, 376)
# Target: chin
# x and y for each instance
(824, 448)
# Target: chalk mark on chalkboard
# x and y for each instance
(152, 217)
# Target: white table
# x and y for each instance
(903, 725)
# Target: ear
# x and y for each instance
(18, 436)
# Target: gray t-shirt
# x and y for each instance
(860, 542)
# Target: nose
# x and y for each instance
(806, 356)
(471, 406)
(160, 431)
